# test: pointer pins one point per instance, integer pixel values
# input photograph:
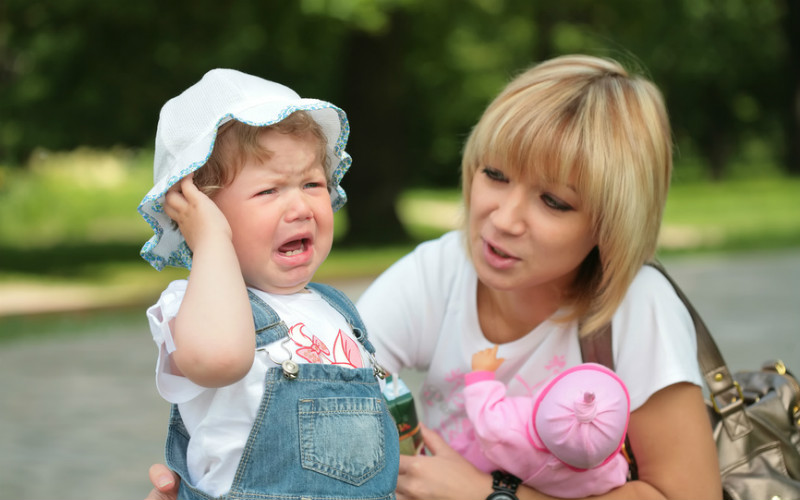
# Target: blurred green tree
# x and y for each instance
(413, 75)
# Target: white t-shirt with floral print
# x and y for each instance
(219, 419)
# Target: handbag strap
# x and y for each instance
(725, 392)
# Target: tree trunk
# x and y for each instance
(791, 22)
(375, 88)
(717, 153)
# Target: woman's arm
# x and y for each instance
(443, 474)
(674, 448)
(440, 474)
(670, 436)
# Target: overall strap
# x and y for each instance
(266, 319)
(342, 303)
(269, 326)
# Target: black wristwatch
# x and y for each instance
(504, 486)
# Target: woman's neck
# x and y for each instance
(506, 316)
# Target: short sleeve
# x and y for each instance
(654, 338)
(173, 388)
(404, 307)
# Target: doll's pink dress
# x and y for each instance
(564, 441)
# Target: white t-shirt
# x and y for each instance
(219, 419)
(422, 314)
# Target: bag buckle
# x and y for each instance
(737, 400)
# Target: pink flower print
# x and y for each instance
(311, 349)
(455, 376)
(346, 352)
(431, 395)
(460, 433)
(455, 380)
(556, 364)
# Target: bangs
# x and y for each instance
(543, 144)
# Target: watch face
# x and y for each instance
(501, 495)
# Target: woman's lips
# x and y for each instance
(497, 257)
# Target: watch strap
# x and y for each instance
(503, 482)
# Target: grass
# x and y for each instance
(68, 224)
(743, 214)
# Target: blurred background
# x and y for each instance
(81, 85)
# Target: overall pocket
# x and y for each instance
(342, 438)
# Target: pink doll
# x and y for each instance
(564, 441)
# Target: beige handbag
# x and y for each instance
(755, 416)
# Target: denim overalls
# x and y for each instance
(324, 434)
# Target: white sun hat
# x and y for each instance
(187, 129)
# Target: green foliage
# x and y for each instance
(87, 196)
(415, 76)
(722, 63)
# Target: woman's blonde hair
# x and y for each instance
(237, 142)
(585, 120)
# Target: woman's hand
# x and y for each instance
(165, 483)
(440, 475)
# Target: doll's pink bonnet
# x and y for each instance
(581, 416)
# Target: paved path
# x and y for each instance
(80, 418)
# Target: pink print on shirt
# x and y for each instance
(312, 349)
(556, 364)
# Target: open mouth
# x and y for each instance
(294, 247)
(499, 252)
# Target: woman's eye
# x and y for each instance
(555, 203)
(494, 174)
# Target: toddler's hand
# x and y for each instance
(486, 360)
(197, 216)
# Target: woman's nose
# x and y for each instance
(509, 215)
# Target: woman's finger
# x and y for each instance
(434, 443)
(165, 483)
